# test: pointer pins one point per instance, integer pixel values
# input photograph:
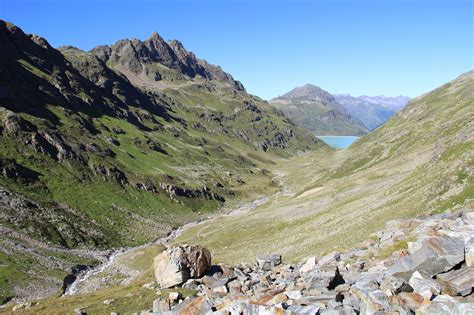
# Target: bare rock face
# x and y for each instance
(176, 265)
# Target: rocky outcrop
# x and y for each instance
(176, 265)
(138, 57)
(9, 168)
(431, 277)
(175, 191)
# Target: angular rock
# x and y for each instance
(468, 217)
(393, 286)
(234, 286)
(457, 282)
(268, 261)
(426, 287)
(198, 305)
(441, 305)
(176, 265)
(329, 259)
(436, 255)
(161, 305)
(308, 265)
(407, 301)
(327, 278)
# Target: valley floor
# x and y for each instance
(322, 213)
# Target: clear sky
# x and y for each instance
(378, 47)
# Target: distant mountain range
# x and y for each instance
(372, 110)
(324, 114)
(318, 111)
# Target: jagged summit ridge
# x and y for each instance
(146, 57)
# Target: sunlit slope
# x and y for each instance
(421, 161)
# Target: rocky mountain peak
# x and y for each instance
(136, 57)
(309, 92)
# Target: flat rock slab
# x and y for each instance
(457, 282)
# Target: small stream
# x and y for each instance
(73, 281)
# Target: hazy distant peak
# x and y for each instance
(308, 92)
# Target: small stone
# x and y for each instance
(268, 261)
(242, 276)
(411, 300)
(392, 286)
(329, 259)
(174, 296)
(308, 265)
(294, 295)
(234, 286)
(220, 289)
(191, 284)
(108, 302)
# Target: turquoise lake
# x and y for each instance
(338, 142)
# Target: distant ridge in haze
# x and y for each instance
(318, 111)
(372, 110)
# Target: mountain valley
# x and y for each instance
(124, 155)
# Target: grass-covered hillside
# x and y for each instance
(421, 161)
(118, 145)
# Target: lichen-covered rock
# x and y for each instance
(176, 265)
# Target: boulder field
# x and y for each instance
(423, 266)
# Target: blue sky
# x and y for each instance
(367, 47)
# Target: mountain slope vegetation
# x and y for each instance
(421, 161)
(116, 146)
(318, 111)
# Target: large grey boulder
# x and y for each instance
(435, 255)
(176, 265)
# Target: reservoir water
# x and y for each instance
(338, 142)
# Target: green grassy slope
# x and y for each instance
(420, 161)
(105, 163)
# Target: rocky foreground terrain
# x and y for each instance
(423, 266)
